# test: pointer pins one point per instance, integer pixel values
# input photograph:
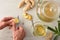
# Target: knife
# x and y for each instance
(18, 22)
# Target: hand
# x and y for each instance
(5, 22)
(18, 33)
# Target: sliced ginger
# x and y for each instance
(29, 4)
(27, 16)
(16, 20)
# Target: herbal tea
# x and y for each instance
(39, 30)
(48, 11)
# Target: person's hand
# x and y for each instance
(5, 22)
(18, 33)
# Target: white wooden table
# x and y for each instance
(10, 8)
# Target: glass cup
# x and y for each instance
(39, 29)
(47, 11)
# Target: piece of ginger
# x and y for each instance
(27, 7)
(27, 16)
(21, 3)
(29, 4)
(32, 3)
(16, 20)
(49, 36)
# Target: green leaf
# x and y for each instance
(59, 26)
(53, 30)
(56, 29)
(56, 37)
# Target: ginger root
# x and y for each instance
(21, 3)
(27, 7)
(27, 16)
(49, 36)
(29, 4)
(32, 2)
(16, 20)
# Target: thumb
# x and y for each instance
(21, 28)
(13, 26)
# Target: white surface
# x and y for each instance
(10, 8)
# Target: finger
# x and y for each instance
(7, 18)
(22, 31)
(8, 23)
(21, 28)
(24, 34)
(17, 28)
(2, 25)
(13, 26)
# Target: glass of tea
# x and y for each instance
(47, 11)
(39, 29)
